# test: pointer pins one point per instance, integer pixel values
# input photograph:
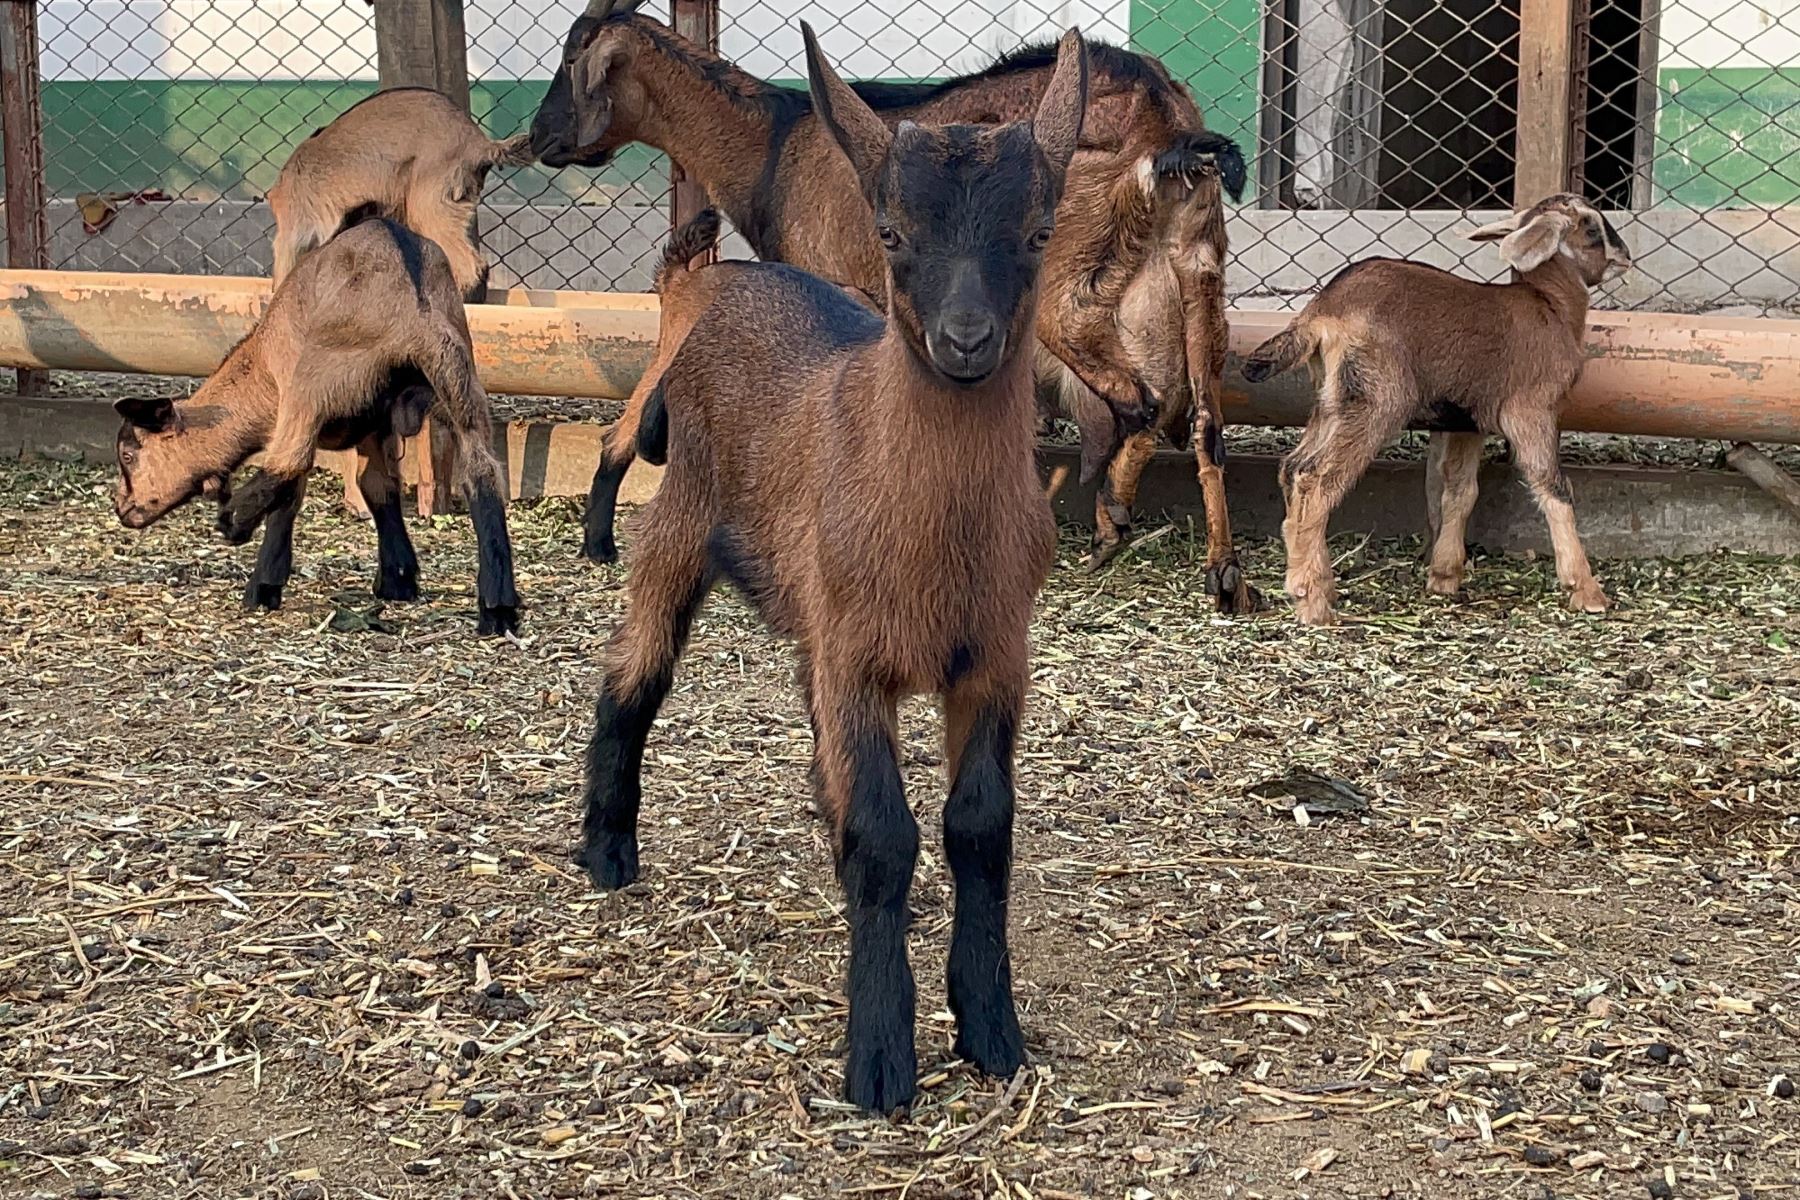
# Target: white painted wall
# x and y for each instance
(520, 39)
(1730, 33)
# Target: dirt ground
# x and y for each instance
(289, 910)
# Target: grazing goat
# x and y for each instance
(1397, 342)
(408, 153)
(359, 343)
(1138, 308)
(809, 502)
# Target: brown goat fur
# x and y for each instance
(409, 153)
(1396, 343)
(362, 340)
(810, 503)
(1143, 204)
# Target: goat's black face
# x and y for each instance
(964, 214)
(571, 124)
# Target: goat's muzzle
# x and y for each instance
(966, 346)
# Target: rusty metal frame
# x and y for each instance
(22, 136)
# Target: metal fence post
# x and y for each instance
(422, 43)
(1546, 140)
(697, 21)
(22, 130)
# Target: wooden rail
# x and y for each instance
(1655, 374)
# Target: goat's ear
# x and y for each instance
(1057, 123)
(862, 135)
(1495, 231)
(587, 80)
(1532, 245)
(152, 414)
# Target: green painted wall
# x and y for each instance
(209, 140)
(1216, 46)
(1728, 137)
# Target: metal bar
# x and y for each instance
(1759, 469)
(697, 21)
(1652, 374)
(22, 133)
(1546, 88)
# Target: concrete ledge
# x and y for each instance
(1624, 511)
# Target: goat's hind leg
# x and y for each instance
(1205, 338)
(1451, 474)
(981, 722)
(669, 578)
(378, 478)
(1529, 423)
(275, 557)
(617, 450)
(463, 405)
(1115, 496)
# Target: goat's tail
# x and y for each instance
(1283, 352)
(691, 240)
(514, 151)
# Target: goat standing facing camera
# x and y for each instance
(881, 506)
(1394, 342)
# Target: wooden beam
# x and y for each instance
(1761, 470)
(22, 147)
(1653, 374)
(698, 21)
(1547, 94)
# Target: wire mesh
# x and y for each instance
(1375, 127)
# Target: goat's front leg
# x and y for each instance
(378, 479)
(1097, 357)
(877, 844)
(981, 723)
(1529, 423)
(667, 584)
(286, 459)
(275, 557)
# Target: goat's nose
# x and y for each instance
(968, 333)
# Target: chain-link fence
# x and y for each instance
(1373, 126)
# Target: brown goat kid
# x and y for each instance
(809, 502)
(359, 343)
(1396, 343)
(411, 154)
(1133, 287)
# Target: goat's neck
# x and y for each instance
(1562, 288)
(229, 418)
(717, 138)
(989, 428)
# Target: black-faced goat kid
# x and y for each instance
(1394, 343)
(881, 507)
(361, 340)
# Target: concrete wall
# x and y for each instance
(1687, 261)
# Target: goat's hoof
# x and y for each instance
(1230, 589)
(1314, 609)
(235, 528)
(612, 863)
(1441, 584)
(1589, 599)
(396, 585)
(993, 1042)
(497, 620)
(880, 1079)
(599, 550)
(1101, 554)
(259, 595)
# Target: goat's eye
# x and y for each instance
(1040, 238)
(128, 457)
(890, 237)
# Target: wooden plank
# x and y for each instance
(1546, 93)
(22, 147)
(697, 21)
(1761, 470)
(1652, 374)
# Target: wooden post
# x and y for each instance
(697, 21)
(422, 43)
(1547, 97)
(22, 132)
